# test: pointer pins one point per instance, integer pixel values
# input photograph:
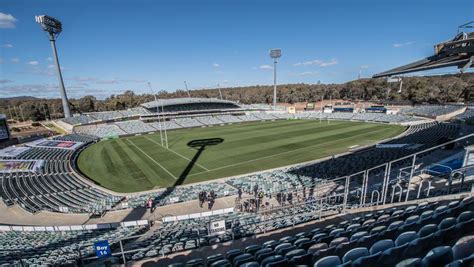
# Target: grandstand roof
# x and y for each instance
(183, 101)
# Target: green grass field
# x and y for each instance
(140, 163)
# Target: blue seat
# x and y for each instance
(280, 263)
(242, 258)
(411, 262)
(198, 262)
(263, 253)
(318, 246)
(465, 216)
(213, 258)
(329, 261)
(463, 248)
(354, 254)
(427, 230)
(336, 241)
(282, 249)
(250, 264)
(405, 237)
(381, 246)
(358, 235)
(270, 244)
(304, 259)
(275, 258)
(367, 261)
(252, 249)
(295, 252)
(446, 223)
(231, 254)
(438, 256)
(221, 263)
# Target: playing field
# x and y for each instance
(139, 163)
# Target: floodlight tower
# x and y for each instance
(275, 54)
(54, 27)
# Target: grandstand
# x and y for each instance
(407, 198)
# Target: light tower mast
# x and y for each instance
(275, 54)
(54, 27)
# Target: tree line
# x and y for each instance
(415, 90)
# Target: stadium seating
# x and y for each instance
(431, 111)
(55, 187)
(382, 238)
(51, 246)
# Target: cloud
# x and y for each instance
(398, 45)
(33, 63)
(317, 62)
(265, 67)
(1, 60)
(83, 79)
(216, 65)
(15, 60)
(330, 63)
(305, 73)
(7, 45)
(50, 59)
(364, 66)
(112, 81)
(50, 66)
(7, 21)
(5, 81)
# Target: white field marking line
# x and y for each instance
(177, 153)
(156, 162)
(281, 153)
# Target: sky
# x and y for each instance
(109, 46)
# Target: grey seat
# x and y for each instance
(328, 261)
(354, 254)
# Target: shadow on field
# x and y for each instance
(200, 145)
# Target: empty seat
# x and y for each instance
(412, 262)
(242, 258)
(465, 216)
(381, 246)
(329, 261)
(336, 241)
(438, 256)
(354, 254)
(405, 237)
(314, 248)
(221, 263)
(464, 247)
(427, 230)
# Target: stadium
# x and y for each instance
(207, 181)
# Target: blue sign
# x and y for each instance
(102, 249)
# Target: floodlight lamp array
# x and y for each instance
(49, 24)
(275, 53)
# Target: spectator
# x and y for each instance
(240, 192)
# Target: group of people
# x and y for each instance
(252, 204)
(210, 198)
